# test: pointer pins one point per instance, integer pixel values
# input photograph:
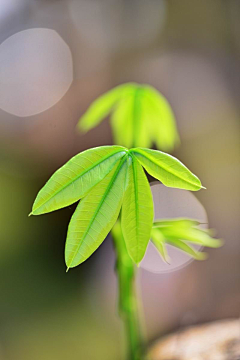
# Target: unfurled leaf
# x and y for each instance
(191, 234)
(159, 242)
(74, 179)
(161, 118)
(128, 120)
(166, 168)
(121, 124)
(140, 116)
(179, 222)
(95, 216)
(137, 211)
(197, 255)
(181, 232)
(102, 107)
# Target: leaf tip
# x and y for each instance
(67, 269)
(80, 127)
(201, 256)
(30, 214)
(219, 242)
(203, 187)
(167, 260)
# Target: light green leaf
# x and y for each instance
(101, 107)
(129, 124)
(144, 118)
(163, 125)
(158, 240)
(188, 249)
(178, 222)
(166, 168)
(74, 179)
(95, 216)
(121, 122)
(192, 234)
(137, 211)
(141, 133)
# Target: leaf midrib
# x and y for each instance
(138, 151)
(82, 174)
(99, 206)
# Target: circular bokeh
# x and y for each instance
(35, 71)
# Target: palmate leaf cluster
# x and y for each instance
(110, 179)
(140, 116)
(180, 233)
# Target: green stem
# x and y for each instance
(128, 307)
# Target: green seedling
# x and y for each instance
(115, 195)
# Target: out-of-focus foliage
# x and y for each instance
(140, 116)
(107, 178)
(179, 233)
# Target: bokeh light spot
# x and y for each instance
(35, 71)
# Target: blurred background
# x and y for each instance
(56, 56)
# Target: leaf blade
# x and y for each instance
(181, 222)
(166, 168)
(101, 107)
(93, 219)
(164, 130)
(198, 255)
(159, 243)
(74, 179)
(137, 211)
(192, 235)
(129, 124)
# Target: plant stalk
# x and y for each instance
(127, 303)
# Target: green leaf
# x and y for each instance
(128, 121)
(160, 240)
(101, 107)
(192, 234)
(137, 211)
(140, 116)
(74, 179)
(164, 131)
(179, 232)
(121, 122)
(188, 249)
(159, 243)
(179, 222)
(95, 216)
(166, 168)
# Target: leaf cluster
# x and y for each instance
(180, 233)
(110, 179)
(140, 116)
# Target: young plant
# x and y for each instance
(111, 183)
(109, 179)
